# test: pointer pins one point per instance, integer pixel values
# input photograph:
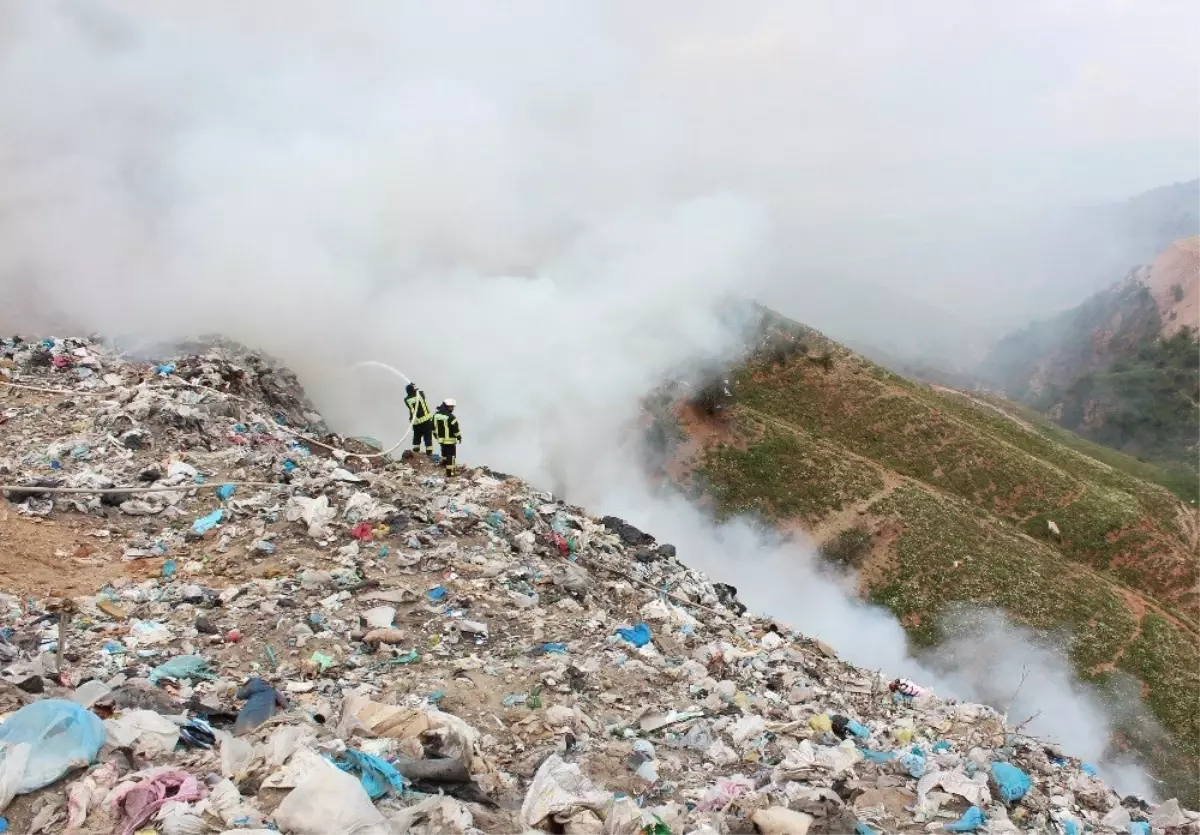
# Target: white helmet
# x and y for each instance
(450, 401)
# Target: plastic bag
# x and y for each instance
(561, 789)
(377, 776)
(43, 741)
(330, 800)
(151, 733)
(206, 523)
(262, 701)
(781, 821)
(1011, 781)
(438, 814)
(639, 635)
(231, 807)
(182, 666)
(134, 803)
(971, 820)
(315, 513)
(913, 763)
(179, 819)
(954, 782)
(860, 731)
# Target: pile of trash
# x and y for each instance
(320, 639)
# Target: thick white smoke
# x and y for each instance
(534, 207)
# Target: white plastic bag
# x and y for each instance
(150, 733)
(230, 806)
(330, 800)
(561, 789)
(180, 819)
(236, 753)
(436, 815)
(315, 513)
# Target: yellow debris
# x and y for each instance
(820, 722)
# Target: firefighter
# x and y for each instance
(447, 434)
(421, 419)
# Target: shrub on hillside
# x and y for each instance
(849, 548)
(714, 397)
(825, 360)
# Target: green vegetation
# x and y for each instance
(1106, 516)
(1179, 479)
(785, 475)
(849, 548)
(1166, 659)
(1147, 402)
(948, 555)
(824, 360)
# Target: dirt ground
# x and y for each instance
(58, 557)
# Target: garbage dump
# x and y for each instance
(294, 636)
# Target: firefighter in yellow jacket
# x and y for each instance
(447, 434)
(421, 419)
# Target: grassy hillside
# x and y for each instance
(940, 498)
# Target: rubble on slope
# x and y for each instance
(325, 642)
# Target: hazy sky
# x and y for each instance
(932, 105)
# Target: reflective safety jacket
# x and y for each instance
(445, 428)
(418, 408)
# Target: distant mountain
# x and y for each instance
(1035, 364)
(1154, 219)
(1123, 367)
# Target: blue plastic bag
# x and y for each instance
(878, 756)
(225, 491)
(206, 523)
(1069, 826)
(52, 736)
(261, 702)
(1088, 768)
(914, 764)
(858, 730)
(1139, 828)
(861, 828)
(182, 666)
(639, 635)
(940, 746)
(971, 820)
(377, 776)
(1011, 781)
